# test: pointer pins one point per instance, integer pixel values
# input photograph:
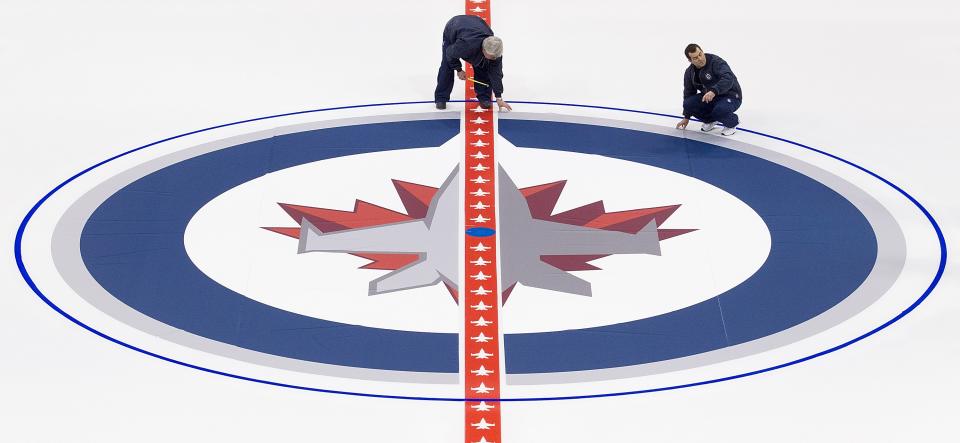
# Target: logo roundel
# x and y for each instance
(323, 251)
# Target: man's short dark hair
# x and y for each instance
(690, 49)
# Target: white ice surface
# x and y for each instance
(82, 81)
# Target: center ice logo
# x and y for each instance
(782, 253)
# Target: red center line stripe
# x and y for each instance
(481, 294)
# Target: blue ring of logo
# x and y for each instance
(139, 229)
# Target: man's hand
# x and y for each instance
(683, 123)
(504, 106)
(708, 97)
(462, 75)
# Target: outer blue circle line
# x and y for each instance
(17, 249)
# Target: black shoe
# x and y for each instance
(485, 105)
(441, 105)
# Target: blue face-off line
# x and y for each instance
(31, 283)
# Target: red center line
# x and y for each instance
(481, 294)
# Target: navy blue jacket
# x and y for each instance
(715, 76)
(463, 38)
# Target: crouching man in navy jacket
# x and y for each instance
(468, 37)
(711, 92)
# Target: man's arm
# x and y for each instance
(496, 77)
(725, 76)
(688, 87)
(454, 53)
(688, 90)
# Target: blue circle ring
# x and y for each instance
(33, 286)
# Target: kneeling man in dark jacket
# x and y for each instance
(468, 37)
(711, 92)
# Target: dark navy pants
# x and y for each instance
(445, 80)
(720, 109)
